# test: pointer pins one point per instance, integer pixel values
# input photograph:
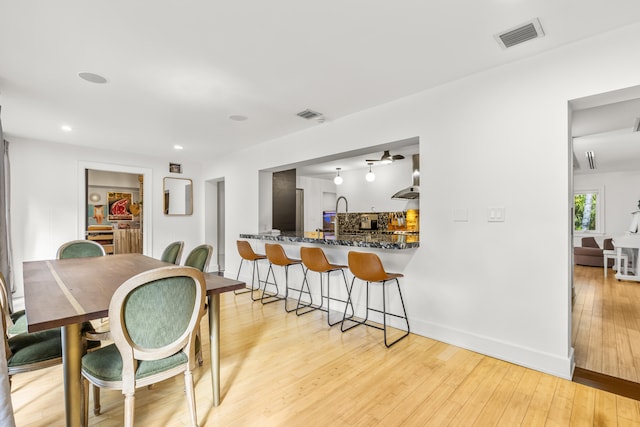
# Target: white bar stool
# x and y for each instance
(613, 254)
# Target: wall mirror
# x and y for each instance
(178, 196)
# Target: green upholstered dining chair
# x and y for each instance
(199, 257)
(80, 249)
(84, 249)
(28, 352)
(15, 322)
(172, 253)
(154, 316)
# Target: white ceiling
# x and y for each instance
(177, 70)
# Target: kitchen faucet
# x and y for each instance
(346, 204)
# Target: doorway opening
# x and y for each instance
(214, 228)
(114, 215)
(115, 207)
(604, 332)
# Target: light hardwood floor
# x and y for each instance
(282, 370)
(606, 323)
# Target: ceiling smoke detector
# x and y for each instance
(520, 34)
(309, 114)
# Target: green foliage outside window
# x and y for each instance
(585, 211)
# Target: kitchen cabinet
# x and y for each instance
(103, 235)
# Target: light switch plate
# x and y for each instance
(496, 215)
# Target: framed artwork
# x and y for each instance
(119, 206)
(175, 168)
(96, 215)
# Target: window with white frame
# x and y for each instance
(588, 211)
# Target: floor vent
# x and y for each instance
(520, 34)
(309, 114)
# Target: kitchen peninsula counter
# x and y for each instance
(394, 241)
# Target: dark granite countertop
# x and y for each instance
(364, 240)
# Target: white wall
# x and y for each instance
(621, 196)
(495, 139)
(314, 190)
(45, 200)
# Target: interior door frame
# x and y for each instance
(147, 204)
(214, 229)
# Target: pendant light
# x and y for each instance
(338, 179)
(370, 175)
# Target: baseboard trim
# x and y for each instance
(607, 383)
(553, 364)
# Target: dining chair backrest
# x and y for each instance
(276, 254)
(154, 315)
(199, 257)
(15, 322)
(246, 251)
(4, 303)
(80, 249)
(6, 318)
(30, 351)
(366, 266)
(172, 253)
(314, 259)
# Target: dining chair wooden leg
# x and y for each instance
(85, 402)
(129, 404)
(188, 386)
(96, 400)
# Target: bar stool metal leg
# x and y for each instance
(385, 313)
(368, 268)
(242, 291)
(267, 298)
(277, 256)
(254, 271)
(300, 291)
(348, 304)
(314, 259)
(247, 254)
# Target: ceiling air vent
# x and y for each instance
(520, 34)
(591, 157)
(309, 114)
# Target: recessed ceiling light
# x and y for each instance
(66, 128)
(92, 77)
(178, 147)
(238, 118)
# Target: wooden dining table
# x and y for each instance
(64, 293)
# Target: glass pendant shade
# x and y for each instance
(338, 179)
(370, 175)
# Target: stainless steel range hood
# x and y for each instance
(412, 192)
